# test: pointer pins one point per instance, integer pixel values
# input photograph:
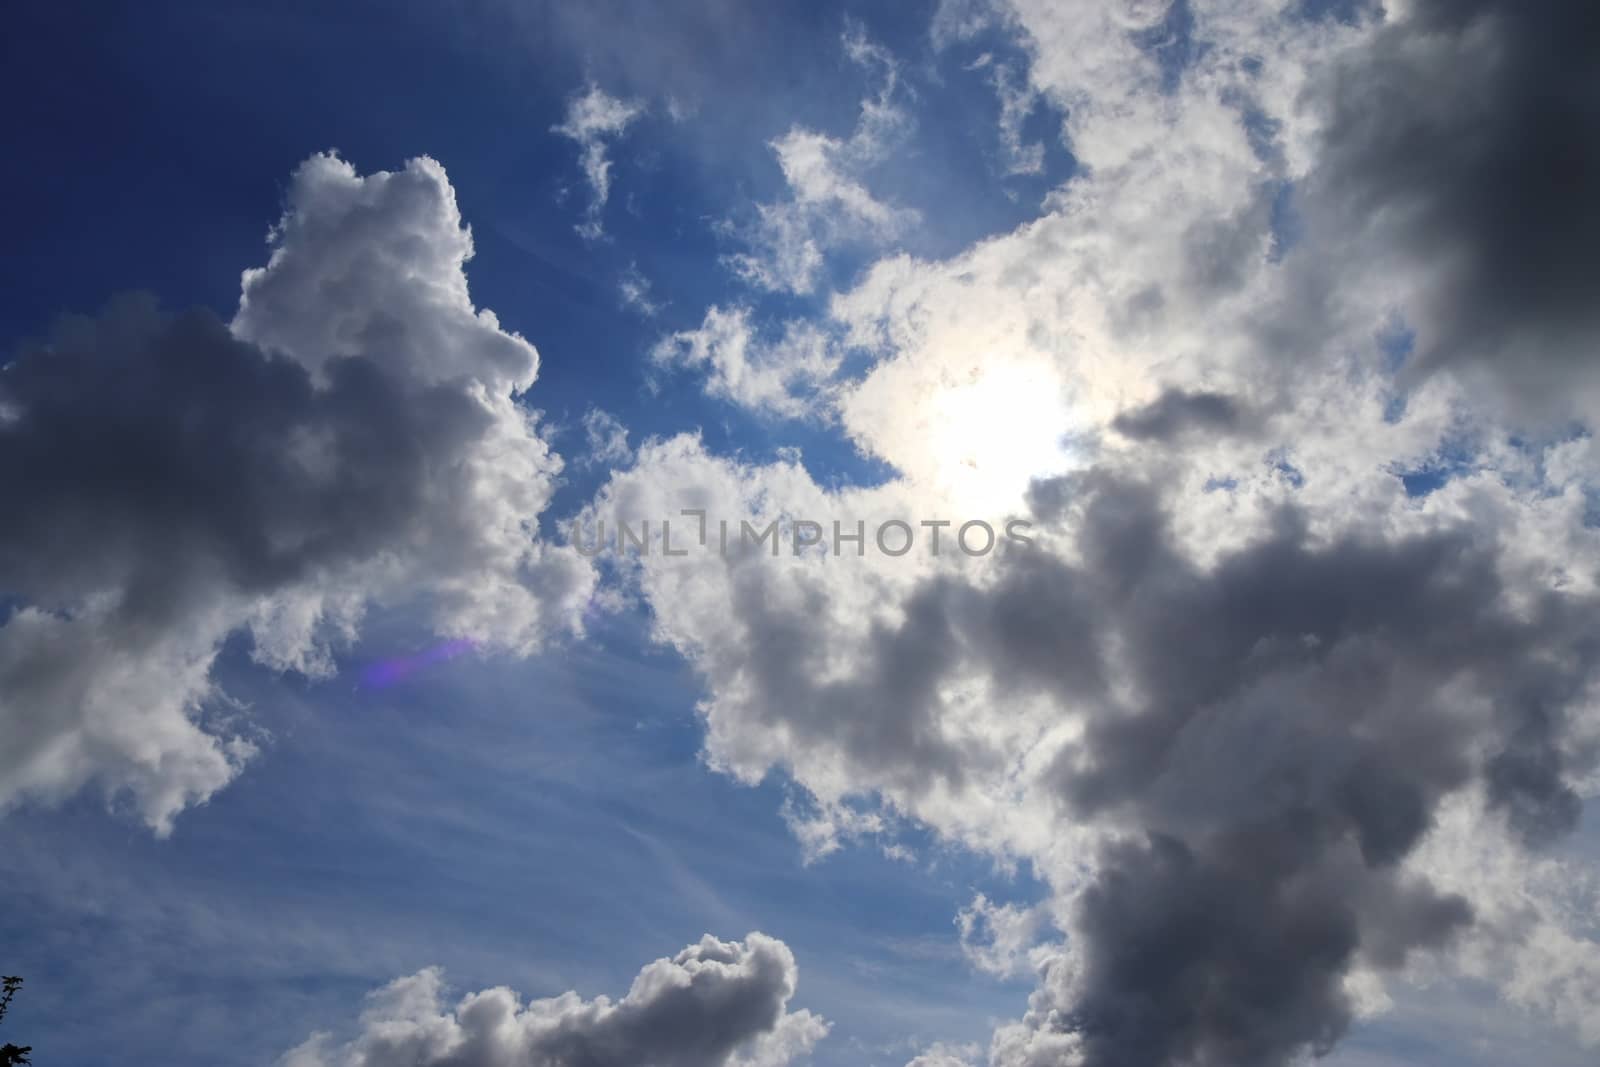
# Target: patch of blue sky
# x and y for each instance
(1456, 457)
(545, 825)
(954, 170)
(1172, 43)
(1422, 481)
(1261, 130)
(1346, 11)
(1396, 342)
(1285, 221)
(677, 230)
(1281, 461)
(1394, 408)
(184, 174)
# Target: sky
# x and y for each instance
(936, 534)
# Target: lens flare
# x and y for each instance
(385, 673)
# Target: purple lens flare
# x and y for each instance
(392, 671)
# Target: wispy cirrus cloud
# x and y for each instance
(594, 120)
(829, 202)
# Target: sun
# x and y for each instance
(994, 431)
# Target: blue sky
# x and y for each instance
(159, 113)
(466, 816)
(305, 692)
(529, 825)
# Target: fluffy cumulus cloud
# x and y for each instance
(783, 376)
(1249, 806)
(715, 1004)
(1291, 386)
(1289, 696)
(1267, 785)
(941, 1055)
(354, 436)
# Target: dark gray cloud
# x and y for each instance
(1525, 778)
(885, 718)
(164, 481)
(1466, 142)
(1299, 710)
(160, 456)
(153, 492)
(1177, 412)
(1234, 952)
(715, 1003)
(351, 437)
(1267, 737)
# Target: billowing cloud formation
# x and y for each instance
(354, 437)
(715, 1004)
(1281, 767)
(1247, 752)
(1259, 687)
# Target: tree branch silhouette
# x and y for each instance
(11, 1055)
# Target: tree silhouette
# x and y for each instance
(12, 1055)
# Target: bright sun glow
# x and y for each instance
(989, 436)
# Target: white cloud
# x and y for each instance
(1017, 102)
(1536, 932)
(783, 377)
(829, 203)
(355, 438)
(634, 289)
(715, 1004)
(1002, 940)
(945, 1056)
(606, 437)
(1218, 431)
(82, 703)
(594, 119)
(1151, 326)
